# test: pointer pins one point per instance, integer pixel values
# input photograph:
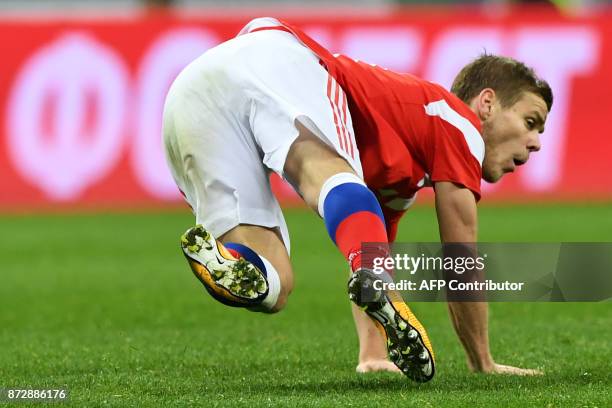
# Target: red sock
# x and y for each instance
(357, 228)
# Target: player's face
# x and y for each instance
(511, 134)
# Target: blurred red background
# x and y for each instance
(81, 97)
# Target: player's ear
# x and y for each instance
(484, 103)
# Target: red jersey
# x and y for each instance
(410, 132)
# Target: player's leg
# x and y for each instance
(331, 187)
(352, 216)
(310, 177)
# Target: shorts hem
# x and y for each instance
(223, 223)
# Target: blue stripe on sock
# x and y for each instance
(346, 199)
(248, 254)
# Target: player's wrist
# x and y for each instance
(481, 364)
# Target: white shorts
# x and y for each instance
(230, 119)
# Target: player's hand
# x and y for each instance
(371, 366)
(506, 369)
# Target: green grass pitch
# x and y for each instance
(106, 306)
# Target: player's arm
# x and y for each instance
(458, 222)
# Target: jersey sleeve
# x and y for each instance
(457, 149)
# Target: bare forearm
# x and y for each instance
(458, 222)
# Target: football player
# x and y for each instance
(357, 142)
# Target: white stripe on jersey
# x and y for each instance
(337, 100)
(470, 133)
(331, 89)
(341, 103)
